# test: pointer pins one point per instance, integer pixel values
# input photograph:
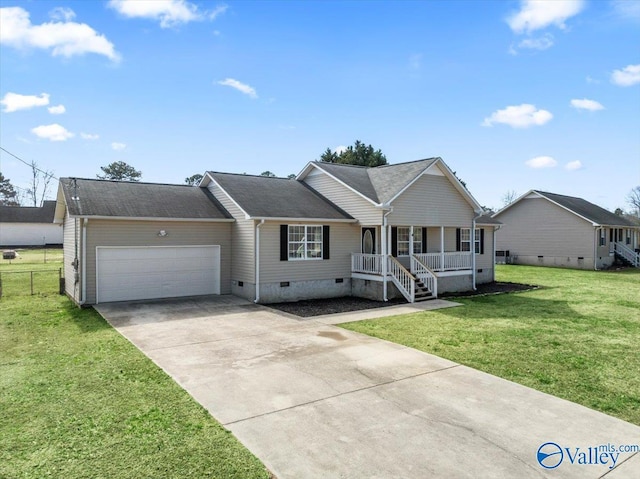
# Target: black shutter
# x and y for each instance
(458, 243)
(610, 235)
(424, 240)
(284, 243)
(394, 241)
(325, 242)
(482, 241)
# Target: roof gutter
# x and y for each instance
(262, 219)
(152, 218)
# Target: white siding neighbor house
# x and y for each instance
(408, 230)
(549, 229)
(29, 226)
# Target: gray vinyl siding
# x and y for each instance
(145, 233)
(431, 201)
(243, 236)
(364, 211)
(536, 227)
(344, 240)
(485, 261)
(70, 236)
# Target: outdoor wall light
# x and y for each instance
(162, 233)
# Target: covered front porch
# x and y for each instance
(414, 257)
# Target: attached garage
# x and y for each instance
(151, 272)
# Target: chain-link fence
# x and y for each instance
(26, 283)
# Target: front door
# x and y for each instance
(369, 240)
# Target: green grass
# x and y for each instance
(77, 400)
(578, 337)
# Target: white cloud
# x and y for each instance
(170, 13)
(540, 43)
(539, 14)
(53, 132)
(628, 9)
(586, 104)
(64, 38)
(89, 136)
(519, 116)
(62, 14)
(541, 162)
(118, 146)
(339, 149)
(57, 110)
(628, 76)
(573, 165)
(15, 101)
(241, 87)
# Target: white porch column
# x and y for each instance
(473, 253)
(383, 252)
(442, 248)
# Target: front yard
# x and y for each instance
(78, 400)
(577, 337)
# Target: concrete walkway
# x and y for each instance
(312, 400)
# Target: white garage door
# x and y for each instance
(126, 274)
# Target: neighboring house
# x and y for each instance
(399, 230)
(29, 226)
(548, 229)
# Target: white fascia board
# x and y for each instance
(151, 218)
(303, 220)
(61, 205)
(305, 171)
(315, 165)
(500, 211)
(211, 179)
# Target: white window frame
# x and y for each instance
(304, 243)
(417, 240)
(403, 241)
(466, 232)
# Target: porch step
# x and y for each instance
(422, 293)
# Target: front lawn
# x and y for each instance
(77, 400)
(577, 337)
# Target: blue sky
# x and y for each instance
(513, 95)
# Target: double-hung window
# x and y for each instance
(603, 237)
(465, 240)
(417, 240)
(305, 242)
(403, 241)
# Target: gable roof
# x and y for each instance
(124, 199)
(382, 184)
(487, 220)
(269, 197)
(593, 213)
(28, 214)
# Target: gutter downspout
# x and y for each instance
(385, 248)
(257, 269)
(595, 248)
(83, 297)
(473, 252)
(495, 228)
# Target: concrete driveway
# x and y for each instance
(312, 400)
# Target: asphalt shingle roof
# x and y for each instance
(28, 214)
(267, 197)
(487, 220)
(381, 183)
(588, 210)
(139, 200)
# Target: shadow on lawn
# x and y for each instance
(86, 319)
(513, 306)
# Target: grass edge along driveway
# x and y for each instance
(576, 337)
(78, 400)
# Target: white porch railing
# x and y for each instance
(627, 253)
(402, 279)
(452, 261)
(366, 263)
(424, 274)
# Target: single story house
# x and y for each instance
(548, 229)
(29, 226)
(410, 229)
